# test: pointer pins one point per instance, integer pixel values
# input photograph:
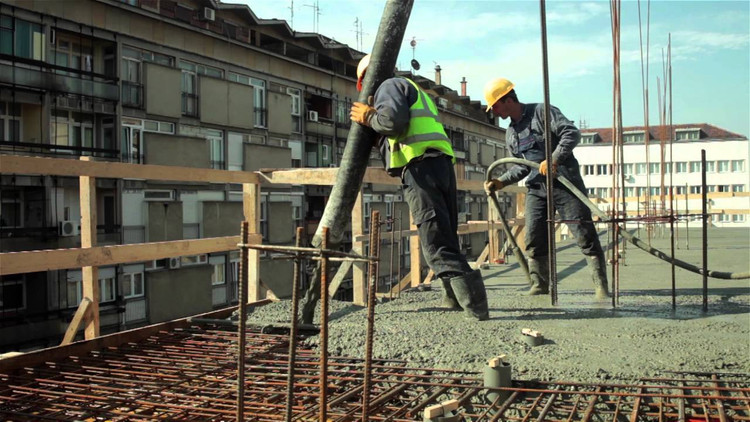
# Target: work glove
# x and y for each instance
(361, 113)
(543, 168)
(493, 185)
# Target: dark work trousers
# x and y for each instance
(570, 208)
(430, 190)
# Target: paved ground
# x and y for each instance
(585, 339)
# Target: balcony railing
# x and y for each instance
(95, 85)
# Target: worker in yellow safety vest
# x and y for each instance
(414, 147)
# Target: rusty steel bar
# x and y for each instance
(323, 327)
(244, 237)
(293, 329)
(373, 276)
(704, 211)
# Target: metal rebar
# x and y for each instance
(294, 328)
(372, 274)
(324, 328)
(704, 210)
(244, 258)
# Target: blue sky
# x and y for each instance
(481, 40)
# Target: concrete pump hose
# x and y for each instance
(605, 218)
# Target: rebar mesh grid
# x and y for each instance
(189, 374)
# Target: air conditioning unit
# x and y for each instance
(68, 228)
(209, 14)
(174, 263)
(312, 116)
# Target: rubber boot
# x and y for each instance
(598, 266)
(539, 273)
(471, 295)
(449, 297)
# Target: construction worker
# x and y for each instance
(525, 139)
(415, 148)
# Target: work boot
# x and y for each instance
(471, 295)
(449, 297)
(598, 266)
(539, 274)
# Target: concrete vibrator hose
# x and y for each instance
(605, 219)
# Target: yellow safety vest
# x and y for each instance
(424, 132)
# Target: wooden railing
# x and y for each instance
(90, 256)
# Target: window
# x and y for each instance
(655, 190)
(264, 217)
(342, 111)
(679, 190)
(687, 134)
(10, 122)
(69, 128)
(723, 166)
(723, 188)
(588, 138)
(12, 294)
(601, 169)
(216, 142)
(710, 166)
(132, 285)
(633, 137)
(73, 52)
(641, 191)
(588, 169)
(738, 188)
(325, 154)
(235, 151)
(296, 109)
(75, 291)
(667, 168)
(695, 167)
(590, 192)
(711, 188)
(11, 210)
(654, 168)
(24, 39)
(259, 92)
(738, 165)
(132, 72)
(629, 169)
(640, 168)
(218, 277)
(738, 218)
(629, 191)
(695, 189)
(681, 167)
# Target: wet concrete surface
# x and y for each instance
(585, 340)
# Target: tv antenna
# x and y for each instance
(316, 15)
(291, 9)
(358, 32)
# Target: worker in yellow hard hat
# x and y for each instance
(525, 139)
(415, 148)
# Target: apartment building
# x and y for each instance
(194, 83)
(648, 183)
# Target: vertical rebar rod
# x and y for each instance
(687, 220)
(704, 210)
(242, 294)
(324, 326)
(293, 329)
(372, 273)
(671, 172)
(390, 266)
(400, 252)
(548, 157)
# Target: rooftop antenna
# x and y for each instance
(316, 15)
(291, 9)
(414, 62)
(358, 32)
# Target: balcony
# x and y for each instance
(73, 82)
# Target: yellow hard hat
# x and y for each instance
(496, 89)
(361, 67)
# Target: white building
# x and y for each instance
(727, 176)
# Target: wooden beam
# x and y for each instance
(429, 277)
(401, 285)
(251, 209)
(65, 167)
(81, 348)
(359, 279)
(323, 176)
(60, 259)
(415, 259)
(75, 323)
(90, 274)
(482, 257)
(341, 275)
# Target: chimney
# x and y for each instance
(463, 86)
(437, 75)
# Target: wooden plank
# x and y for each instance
(60, 259)
(482, 257)
(90, 274)
(403, 284)
(429, 277)
(359, 279)
(81, 348)
(251, 210)
(415, 258)
(323, 176)
(341, 275)
(469, 227)
(65, 167)
(75, 323)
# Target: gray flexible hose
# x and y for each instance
(605, 218)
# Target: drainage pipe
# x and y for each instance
(629, 237)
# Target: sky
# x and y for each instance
(486, 39)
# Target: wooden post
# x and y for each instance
(416, 263)
(251, 209)
(88, 239)
(359, 281)
(494, 235)
(81, 313)
(520, 216)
